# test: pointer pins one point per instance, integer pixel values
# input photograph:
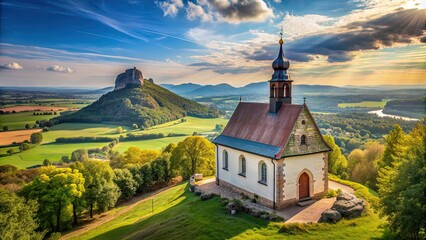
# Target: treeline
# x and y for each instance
(353, 130)
(396, 170)
(59, 197)
(414, 108)
(128, 137)
(146, 106)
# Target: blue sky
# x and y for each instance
(334, 42)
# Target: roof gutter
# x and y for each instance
(273, 185)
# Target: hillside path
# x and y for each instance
(105, 217)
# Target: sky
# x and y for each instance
(71, 43)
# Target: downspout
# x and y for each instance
(217, 164)
(272, 160)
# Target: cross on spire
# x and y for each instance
(304, 100)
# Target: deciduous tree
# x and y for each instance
(36, 138)
(193, 155)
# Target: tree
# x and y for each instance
(126, 183)
(79, 155)
(394, 142)
(5, 128)
(27, 126)
(337, 163)
(46, 162)
(55, 189)
(100, 189)
(402, 184)
(65, 159)
(134, 155)
(193, 155)
(119, 130)
(24, 147)
(17, 217)
(36, 138)
(11, 151)
(135, 126)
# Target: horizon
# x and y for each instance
(204, 42)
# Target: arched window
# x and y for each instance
(274, 91)
(262, 173)
(303, 140)
(285, 90)
(243, 166)
(225, 159)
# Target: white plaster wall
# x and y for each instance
(294, 167)
(250, 182)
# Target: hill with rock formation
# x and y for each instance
(145, 104)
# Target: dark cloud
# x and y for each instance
(244, 10)
(388, 30)
(202, 64)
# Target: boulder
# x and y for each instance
(348, 205)
(345, 196)
(205, 196)
(255, 213)
(330, 215)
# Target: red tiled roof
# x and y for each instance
(253, 122)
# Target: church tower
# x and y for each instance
(280, 84)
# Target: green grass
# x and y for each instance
(179, 214)
(18, 120)
(156, 144)
(364, 104)
(36, 155)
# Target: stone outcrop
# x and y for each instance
(330, 215)
(348, 205)
(130, 76)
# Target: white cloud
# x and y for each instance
(171, 7)
(12, 66)
(57, 68)
(194, 11)
(298, 26)
(277, 1)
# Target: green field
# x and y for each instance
(18, 120)
(53, 151)
(179, 214)
(364, 104)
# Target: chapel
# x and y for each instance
(273, 152)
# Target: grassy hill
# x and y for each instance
(179, 214)
(146, 105)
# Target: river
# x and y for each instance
(381, 114)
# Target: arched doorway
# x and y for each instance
(304, 185)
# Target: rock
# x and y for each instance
(198, 176)
(345, 196)
(234, 205)
(255, 213)
(197, 191)
(130, 76)
(264, 216)
(275, 218)
(205, 196)
(330, 215)
(233, 211)
(348, 205)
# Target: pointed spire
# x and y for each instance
(241, 98)
(281, 64)
(304, 100)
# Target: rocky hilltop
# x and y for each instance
(130, 76)
(135, 101)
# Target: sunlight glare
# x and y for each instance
(419, 4)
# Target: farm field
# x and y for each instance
(364, 104)
(26, 108)
(7, 138)
(18, 120)
(180, 214)
(54, 151)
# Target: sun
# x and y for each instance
(419, 4)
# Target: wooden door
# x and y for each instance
(304, 186)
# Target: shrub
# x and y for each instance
(5, 128)
(135, 126)
(11, 151)
(36, 138)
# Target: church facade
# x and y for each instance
(273, 152)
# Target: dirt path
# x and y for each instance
(108, 216)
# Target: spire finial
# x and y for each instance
(281, 39)
(241, 99)
(304, 100)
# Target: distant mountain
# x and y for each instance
(193, 90)
(100, 91)
(146, 105)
